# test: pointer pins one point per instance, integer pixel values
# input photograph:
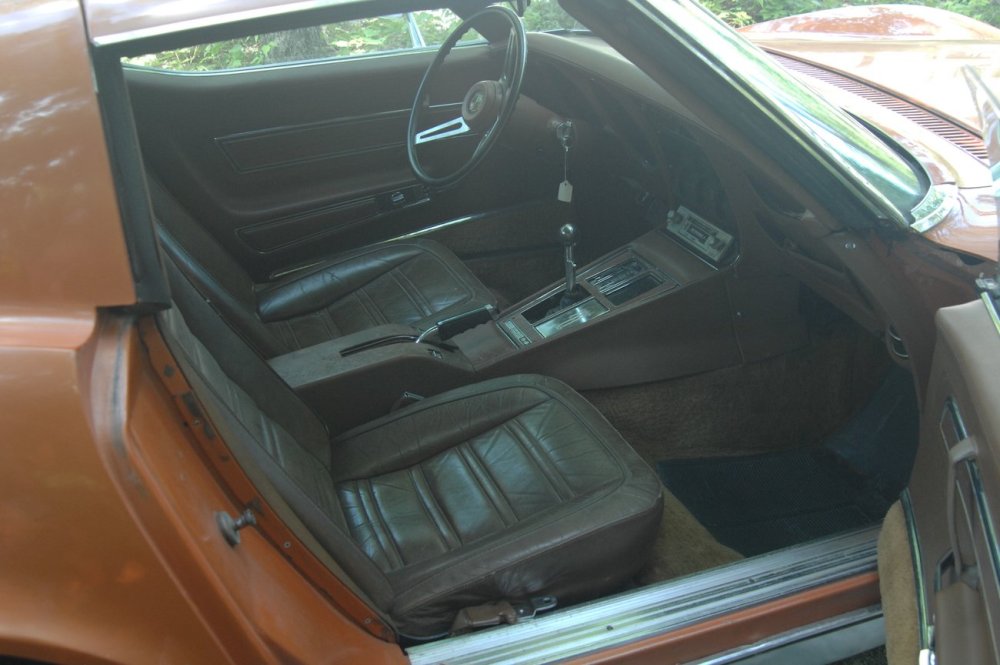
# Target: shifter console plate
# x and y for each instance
(580, 313)
(618, 275)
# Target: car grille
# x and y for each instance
(958, 136)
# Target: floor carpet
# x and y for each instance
(790, 401)
(759, 503)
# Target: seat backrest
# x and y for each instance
(213, 271)
(264, 423)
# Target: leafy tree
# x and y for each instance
(393, 32)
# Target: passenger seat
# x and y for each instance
(503, 490)
(413, 282)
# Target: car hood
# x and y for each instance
(916, 52)
(900, 67)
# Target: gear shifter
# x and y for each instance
(573, 293)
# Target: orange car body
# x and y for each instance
(101, 560)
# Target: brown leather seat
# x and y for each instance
(414, 282)
(506, 489)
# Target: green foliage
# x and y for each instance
(548, 15)
(388, 33)
(230, 54)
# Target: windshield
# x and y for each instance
(883, 173)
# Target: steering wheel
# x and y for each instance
(487, 105)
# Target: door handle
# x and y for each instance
(961, 452)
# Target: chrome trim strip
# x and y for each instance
(960, 429)
(663, 607)
(868, 620)
(212, 21)
(470, 218)
(986, 521)
(918, 570)
(985, 517)
(436, 227)
(991, 309)
(936, 205)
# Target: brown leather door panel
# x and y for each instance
(288, 163)
(340, 138)
(955, 489)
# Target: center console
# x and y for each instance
(607, 284)
(655, 308)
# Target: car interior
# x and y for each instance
(589, 349)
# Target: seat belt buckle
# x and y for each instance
(500, 612)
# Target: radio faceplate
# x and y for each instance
(705, 238)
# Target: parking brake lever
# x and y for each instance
(445, 329)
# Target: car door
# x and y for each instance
(954, 493)
(288, 162)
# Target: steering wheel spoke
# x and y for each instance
(509, 61)
(445, 130)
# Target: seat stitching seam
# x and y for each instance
(526, 448)
(417, 408)
(368, 304)
(354, 528)
(412, 291)
(379, 526)
(407, 291)
(326, 316)
(433, 511)
(290, 332)
(371, 522)
(470, 458)
(544, 463)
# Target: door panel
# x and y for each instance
(955, 488)
(286, 164)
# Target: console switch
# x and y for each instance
(699, 234)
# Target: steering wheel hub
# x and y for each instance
(482, 105)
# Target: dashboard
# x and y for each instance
(643, 138)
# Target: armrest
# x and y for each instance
(331, 383)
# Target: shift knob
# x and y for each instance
(567, 233)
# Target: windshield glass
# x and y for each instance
(882, 172)
(548, 16)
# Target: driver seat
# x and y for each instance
(412, 282)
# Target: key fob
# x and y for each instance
(565, 191)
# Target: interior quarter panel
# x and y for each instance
(961, 406)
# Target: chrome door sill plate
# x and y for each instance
(662, 607)
(820, 643)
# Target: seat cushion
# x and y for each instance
(506, 489)
(414, 283)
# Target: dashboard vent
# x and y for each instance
(964, 139)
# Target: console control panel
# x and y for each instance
(515, 333)
(705, 238)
